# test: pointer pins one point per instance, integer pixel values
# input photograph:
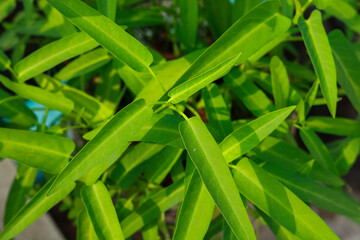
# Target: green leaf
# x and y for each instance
(85, 229)
(191, 86)
(108, 89)
(242, 7)
(343, 11)
(280, 82)
(93, 111)
(293, 158)
(248, 136)
(15, 110)
(337, 126)
(150, 231)
(168, 73)
(218, 15)
(153, 207)
(6, 7)
(101, 210)
(34, 209)
(196, 210)
(279, 231)
(133, 163)
(312, 192)
(161, 129)
(252, 96)
(278, 202)
(46, 152)
(119, 130)
(318, 149)
(345, 153)
(188, 26)
(158, 167)
(140, 17)
(4, 61)
(49, 56)
(84, 64)
(288, 7)
(216, 176)
(347, 64)
(135, 81)
(93, 175)
(107, 33)
(318, 47)
(305, 105)
(108, 8)
(51, 100)
(246, 36)
(19, 191)
(216, 110)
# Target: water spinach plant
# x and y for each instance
(180, 119)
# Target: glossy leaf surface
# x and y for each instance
(216, 176)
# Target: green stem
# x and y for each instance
(178, 111)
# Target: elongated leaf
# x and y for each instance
(241, 7)
(84, 64)
(279, 202)
(160, 164)
(51, 100)
(280, 83)
(216, 176)
(188, 26)
(246, 36)
(215, 227)
(318, 47)
(153, 207)
(85, 229)
(46, 152)
(93, 175)
(218, 14)
(101, 210)
(248, 136)
(108, 89)
(108, 34)
(196, 210)
(151, 231)
(34, 209)
(216, 110)
(140, 17)
(310, 191)
(4, 61)
(305, 105)
(133, 163)
(49, 56)
(108, 8)
(194, 84)
(6, 7)
(168, 73)
(337, 126)
(92, 110)
(345, 153)
(318, 149)
(19, 191)
(279, 231)
(347, 64)
(162, 129)
(15, 110)
(342, 10)
(252, 97)
(293, 158)
(135, 81)
(106, 144)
